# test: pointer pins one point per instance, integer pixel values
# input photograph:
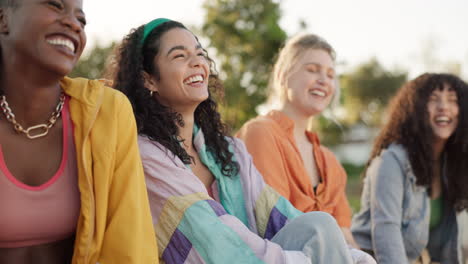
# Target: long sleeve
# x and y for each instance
(272, 211)
(386, 201)
(129, 234)
(262, 143)
(193, 228)
(342, 210)
(270, 141)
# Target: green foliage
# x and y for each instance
(354, 185)
(330, 131)
(352, 170)
(367, 90)
(92, 65)
(247, 37)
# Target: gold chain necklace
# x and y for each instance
(41, 129)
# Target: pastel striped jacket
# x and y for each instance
(194, 228)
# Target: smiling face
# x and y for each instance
(49, 33)
(311, 85)
(443, 112)
(183, 71)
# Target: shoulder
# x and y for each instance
(150, 148)
(395, 152)
(111, 97)
(237, 146)
(154, 155)
(260, 123)
(259, 127)
(93, 92)
(391, 161)
(241, 154)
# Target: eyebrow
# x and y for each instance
(180, 47)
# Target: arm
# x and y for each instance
(193, 228)
(386, 199)
(264, 147)
(129, 234)
(342, 210)
(273, 212)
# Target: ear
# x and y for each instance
(150, 82)
(3, 21)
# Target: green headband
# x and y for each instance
(151, 26)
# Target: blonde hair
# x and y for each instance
(288, 58)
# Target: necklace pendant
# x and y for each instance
(44, 128)
(39, 130)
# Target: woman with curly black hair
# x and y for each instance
(416, 184)
(209, 203)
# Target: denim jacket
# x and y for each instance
(462, 222)
(395, 211)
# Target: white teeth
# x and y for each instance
(196, 78)
(62, 42)
(318, 93)
(442, 119)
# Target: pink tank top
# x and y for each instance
(33, 215)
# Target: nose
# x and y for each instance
(442, 104)
(323, 78)
(197, 61)
(70, 21)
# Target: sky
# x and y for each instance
(413, 35)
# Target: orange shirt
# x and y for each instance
(270, 141)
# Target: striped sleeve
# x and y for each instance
(273, 212)
(195, 222)
(193, 228)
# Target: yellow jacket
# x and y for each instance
(115, 223)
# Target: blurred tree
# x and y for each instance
(247, 37)
(92, 65)
(329, 128)
(367, 90)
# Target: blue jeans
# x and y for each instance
(317, 235)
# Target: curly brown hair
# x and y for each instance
(409, 126)
(155, 120)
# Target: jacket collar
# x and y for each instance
(76, 88)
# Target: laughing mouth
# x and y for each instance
(63, 42)
(318, 93)
(194, 79)
(443, 120)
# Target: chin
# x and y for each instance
(314, 111)
(203, 98)
(61, 68)
(443, 136)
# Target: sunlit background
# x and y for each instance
(380, 44)
(407, 33)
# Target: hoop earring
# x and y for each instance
(151, 93)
